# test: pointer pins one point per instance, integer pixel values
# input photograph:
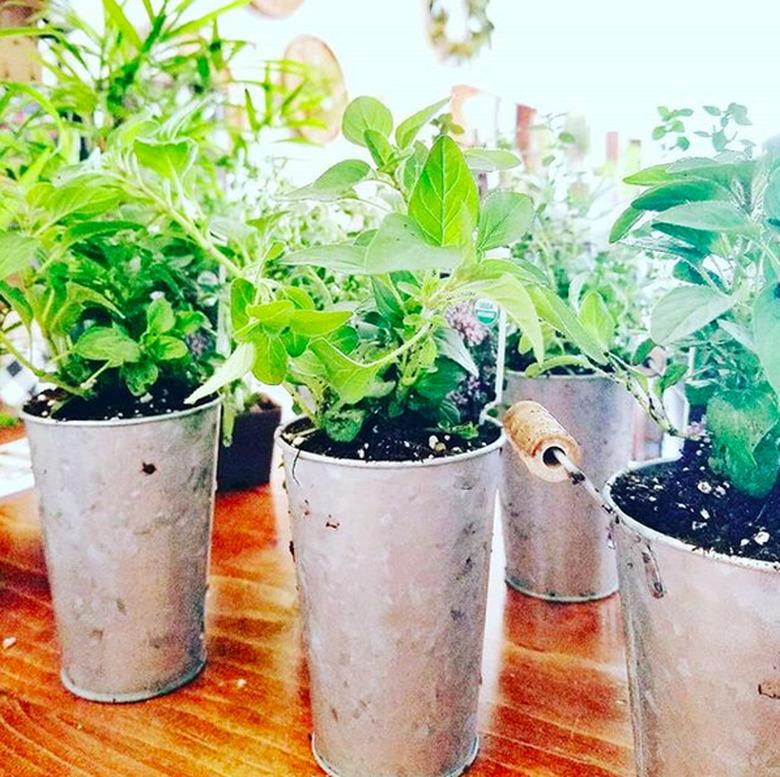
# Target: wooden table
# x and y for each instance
(554, 696)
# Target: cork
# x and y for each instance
(534, 434)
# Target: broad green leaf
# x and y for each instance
(552, 309)
(766, 333)
(445, 201)
(343, 424)
(712, 216)
(236, 367)
(744, 429)
(270, 365)
(408, 129)
(242, 295)
(380, 149)
(399, 244)
(168, 348)
(316, 323)
(351, 380)
(168, 158)
(685, 310)
(436, 383)
(450, 344)
(366, 113)
(160, 317)
(335, 182)
(596, 318)
(140, 376)
(488, 160)
(668, 195)
(504, 218)
(623, 224)
(17, 253)
(273, 316)
(107, 344)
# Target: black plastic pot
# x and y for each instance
(246, 463)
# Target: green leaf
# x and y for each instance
(623, 225)
(595, 317)
(380, 149)
(116, 16)
(556, 363)
(685, 310)
(160, 317)
(743, 425)
(708, 216)
(552, 309)
(409, 128)
(667, 195)
(766, 333)
(366, 113)
(343, 424)
(316, 323)
(341, 257)
(168, 158)
(335, 182)
(17, 253)
(504, 219)
(449, 343)
(399, 244)
(488, 160)
(242, 295)
(445, 201)
(270, 364)
(650, 176)
(140, 376)
(435, 384)
(273, 316)
(772, 198)
(351, 380)
(168, 348)
(107, 344)
(236, 367)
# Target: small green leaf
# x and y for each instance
(380, 149)
(17, 253)
(335, 182)
(366, 113)
(140, 376)
(445, 201)
(351, 380)
(168, 158)
(316, 323)
(504, 219)
(766, 333)
(623, 225)
(595, 317)
(650, 176)
(242, 295)
(686, 310)
(270, 364)
(236, 367)
(488, 160)
(409, 128)
(668, 195)
(160, 317)
(341, 257)
(168, 348)
(107, 344)
(449, 343)
(343, 424)
(273, 316)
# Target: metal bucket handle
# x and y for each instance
(552, 454)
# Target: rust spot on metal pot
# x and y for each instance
(770, 689)
(292, 549)
(332, 524)
(148, 469)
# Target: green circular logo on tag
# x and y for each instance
(486, 311)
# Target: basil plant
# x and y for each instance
(718, 221)
(389, 350)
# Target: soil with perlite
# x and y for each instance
(165, 399)
(382, 441)
(686, 500)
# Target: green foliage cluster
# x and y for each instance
(390, 351)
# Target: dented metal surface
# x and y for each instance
(556, 537)
(392, 562)
(703, 650)
(126, 509)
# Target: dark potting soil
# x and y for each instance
(382, 441)
(686, 500)
(165, 398)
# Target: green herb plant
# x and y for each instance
(717, 219)
(389, 353)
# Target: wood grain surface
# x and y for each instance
(554, 696)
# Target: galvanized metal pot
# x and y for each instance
(556, 538)
(126, 509)
(392, 562)
(703, 648)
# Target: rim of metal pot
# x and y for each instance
(548, 376)
(35, 419)
(358, 463)
(772, 567)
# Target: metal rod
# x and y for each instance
(579, 478)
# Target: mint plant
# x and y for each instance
(391, 353)
(718, 221)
